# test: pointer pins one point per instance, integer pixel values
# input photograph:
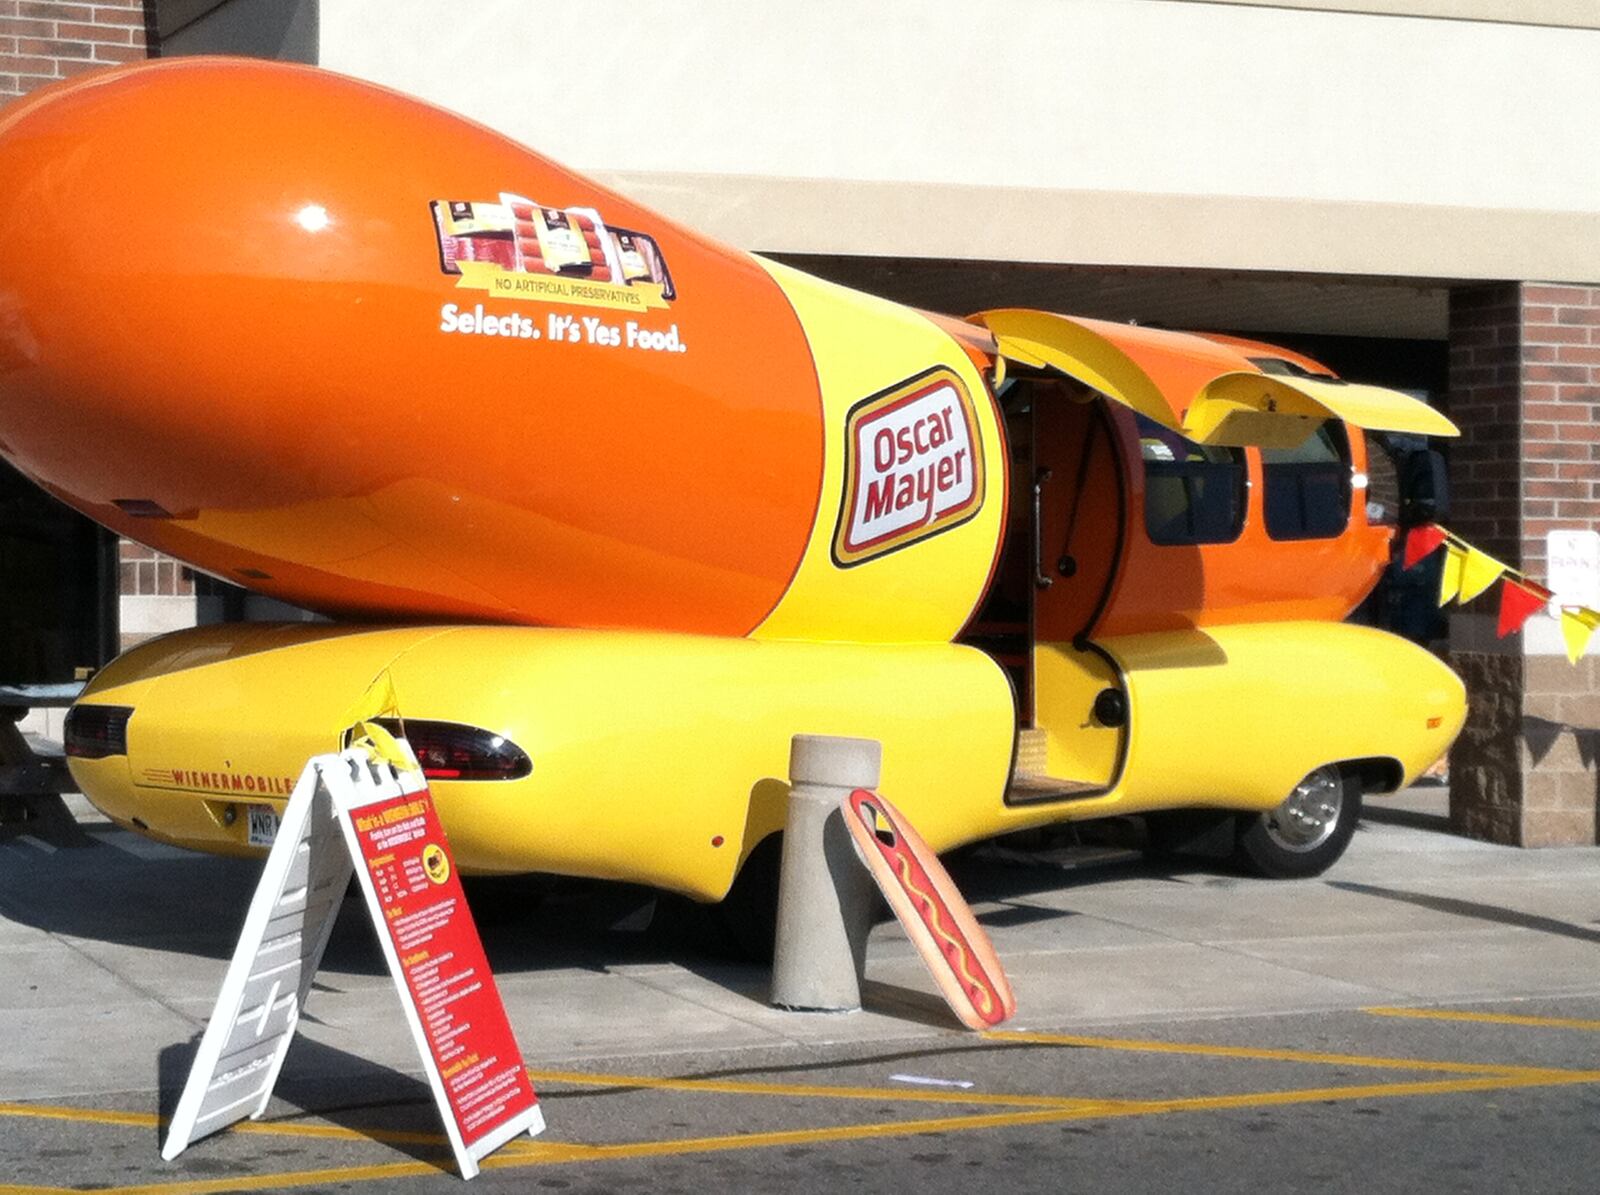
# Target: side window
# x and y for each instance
(1193, 493)
(1306, 493)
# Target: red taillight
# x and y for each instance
(96, 731)
(451, 751)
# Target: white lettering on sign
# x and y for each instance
(913, 467)
(561, 329)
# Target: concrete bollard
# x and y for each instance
(826, 897)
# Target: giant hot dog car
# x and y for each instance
(607, 511)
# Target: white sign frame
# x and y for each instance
(329, 789)
(307, 829)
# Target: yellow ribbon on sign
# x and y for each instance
(1578, 625)
(1478, 571)
(379, 701)
(1450, 577)
(378, 742)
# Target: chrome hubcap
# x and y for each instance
(1308, 815)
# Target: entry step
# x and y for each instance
(1027, 786)
(1029, 778)
(1032, 752)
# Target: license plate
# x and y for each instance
(263, 824)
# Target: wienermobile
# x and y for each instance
(606, 511)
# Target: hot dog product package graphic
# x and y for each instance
(495, 246)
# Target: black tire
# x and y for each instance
(749, 913)
(1306, 834)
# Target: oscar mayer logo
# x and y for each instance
(913, 466)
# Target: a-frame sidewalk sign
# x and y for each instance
(368, 811)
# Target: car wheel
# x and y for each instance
(1306, 834)
(749, 913)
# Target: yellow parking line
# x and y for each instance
(541, 1154)
(136, 1120)
(1271, 1099)
(149, 1120)
(848, 1132)
(1484, 1018)
(810, 1091)
(1141, 1045)
(255, 1182)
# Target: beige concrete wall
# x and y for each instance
(1572, 14)
(1176, 132)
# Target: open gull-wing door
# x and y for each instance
(1212, 390)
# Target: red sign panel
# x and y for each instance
(447, 977)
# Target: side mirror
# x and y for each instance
(1424, 489)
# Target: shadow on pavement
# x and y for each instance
(1474, 909)
(329, 1084)
(125, 891)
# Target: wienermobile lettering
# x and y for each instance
(610, 510)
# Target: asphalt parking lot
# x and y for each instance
(1425, 1016)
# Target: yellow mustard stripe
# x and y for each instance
(812, 1091)
(1139, 1045)
(1484, 1018)
(555, 1154)
(934, 919)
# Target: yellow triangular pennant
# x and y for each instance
(1578, 624)
(1479, 571)
(1450, 578)
(379, 701)
(382, 745)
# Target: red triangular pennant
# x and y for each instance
(1517, 604)
(1421, 541)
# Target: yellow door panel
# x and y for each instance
(1066, 682)
(1238, 715)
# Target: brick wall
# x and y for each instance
(1560, 488)
(1560, 397)
(41, 42)
(1525, 389)
(1485, 400)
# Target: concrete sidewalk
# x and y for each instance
(111, 955)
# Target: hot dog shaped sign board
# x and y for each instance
(957, 952)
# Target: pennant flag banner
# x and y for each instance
(1578, 625)
(1421, 543)
(1478, 571)
(1518, 603)
(1467, 572)
(1450, 579)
